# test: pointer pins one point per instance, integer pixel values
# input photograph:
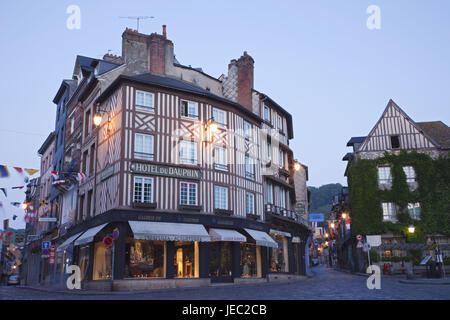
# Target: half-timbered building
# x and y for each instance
(404, 205)
(191, 176)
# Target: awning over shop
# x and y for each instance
(68, 242)
(296, 240)
(262, 238)
(280, 233)
(167, 231)
(89, 235)
(226, 235)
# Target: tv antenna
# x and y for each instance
(137, 18)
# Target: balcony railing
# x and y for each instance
(279, 211)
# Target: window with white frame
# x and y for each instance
(143, 190)
(189, 109)
(145, 101)
(282, 198)
(269, 193)
(220, 116)
(389, 211)
(247, 130)
(266, 113)
(143, 146)
(414, 210)
(384, 175)
(410, 174)
(188, 193)
(279, 123)
(188, 152)
(250, 203)
(249, 168)
(221, 197)
(281, 159)
(220, 158)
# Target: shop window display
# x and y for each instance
(102, 262)
(277, 261)
(144, 259)
(185, 258)
(220, 263)
(83, 261)
(248, 261)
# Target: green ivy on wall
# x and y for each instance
(433, 194)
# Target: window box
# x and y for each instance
(223, 212)
(149, 205)
(190, 208)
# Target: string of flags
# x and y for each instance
(4, 172)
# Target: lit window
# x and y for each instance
(389, 211)
(414, 210)
(220, 116)
(250, 203)
(189, 109)
(143, 190)
(188, 193)
(145, 101)
(249, 168)
(410, 174)
(220, 197)
(143, 147)
(384, 175)
(188, 152)
(220, 158)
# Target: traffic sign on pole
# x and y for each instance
(359, 237)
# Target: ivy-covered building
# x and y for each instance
(399, 177)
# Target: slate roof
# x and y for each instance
(172, 83)
(46, 143)
(347, 156)
(354, 140)
(103, 66)
(438, 131)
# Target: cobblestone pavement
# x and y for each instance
(326, 284)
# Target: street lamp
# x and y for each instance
(97, 119)
(344, 216)
(332, 225)
(411, 229)
(297, 166)
(212, 126)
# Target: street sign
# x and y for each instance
(115, 233)
(374, 240)
(46, 244)
(366, 247)
(360, 244)
(359, 237)
(45, 252)
(108, 241)
(51, 260)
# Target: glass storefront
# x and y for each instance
(186, 260)
(220, 259)
(83, 261)
(250, 259)
(278, 257)
(144, 259)
(102, 262)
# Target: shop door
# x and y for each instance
(220, 262)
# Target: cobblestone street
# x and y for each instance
(326, 284)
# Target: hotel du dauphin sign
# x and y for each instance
(165, 170)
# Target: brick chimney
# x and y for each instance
(147, 53)
(245, 67)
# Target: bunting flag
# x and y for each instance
(54, 174)
(1, 204)
(19, 187)
(16, 204)
(4, 191)
(58, 181)
(31, 171)
(19, 170)
(81, 177)
(4, 171)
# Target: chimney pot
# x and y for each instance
(164, 31)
